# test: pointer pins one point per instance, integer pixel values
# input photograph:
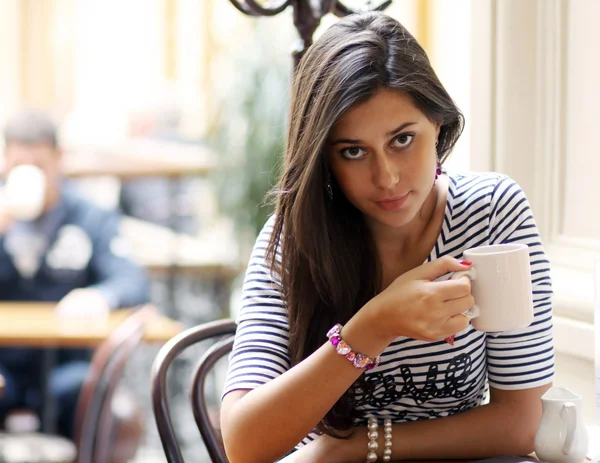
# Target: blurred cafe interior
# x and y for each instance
(140, 138)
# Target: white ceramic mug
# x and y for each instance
(24, 193)
(501, 286)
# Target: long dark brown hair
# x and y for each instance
(329, 268)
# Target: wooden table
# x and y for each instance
(33, 324)
(123, 165)
(531, 457)
(136, 159)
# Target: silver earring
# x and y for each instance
(328, 186)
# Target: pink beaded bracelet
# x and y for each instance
(359, 360)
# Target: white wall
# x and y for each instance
(582, 120)
(405, 11)
(10, 88)
(536, 88)
(451, 58)
(119, 65)
(597, 335)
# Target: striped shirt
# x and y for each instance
(416, 379)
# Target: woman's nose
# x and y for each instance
(385, 174)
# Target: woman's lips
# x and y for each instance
(392, 204)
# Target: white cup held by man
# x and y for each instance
(24, 193)
(501, 286)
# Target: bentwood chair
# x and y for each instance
(96, 428)
(222, 331)
(101, 436)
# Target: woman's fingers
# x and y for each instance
(439, 267)
(456, 324)
(457, 321)
(457, 306)
(453, 289)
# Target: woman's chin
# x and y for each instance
(397, 219)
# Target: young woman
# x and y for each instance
(366, 224)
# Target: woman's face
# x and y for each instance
(382, 154)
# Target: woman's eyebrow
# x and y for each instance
(350, 141)
(398, 129)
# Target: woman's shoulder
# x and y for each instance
(471, 179)
(471, 186)
(260, 260)
(267, 229)
(263, 241)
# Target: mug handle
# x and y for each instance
(474, 311)
(568, 413)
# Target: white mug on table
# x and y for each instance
(501, 286)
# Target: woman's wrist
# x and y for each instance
(366, 331)
(352, 450)
(356, 448)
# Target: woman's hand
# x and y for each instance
(417, 307)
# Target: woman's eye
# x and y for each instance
(404, 140)
(353, 152)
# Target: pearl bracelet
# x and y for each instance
(359, 360)
(372, 445)
(387, 442)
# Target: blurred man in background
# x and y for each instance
(70, 252)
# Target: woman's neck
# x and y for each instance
(400, 250)
(398, 240)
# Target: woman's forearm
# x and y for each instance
(483, 432)
(270, 420)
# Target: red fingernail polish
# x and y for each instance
(465, 262)
(450, 340)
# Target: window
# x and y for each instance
(537, 121)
